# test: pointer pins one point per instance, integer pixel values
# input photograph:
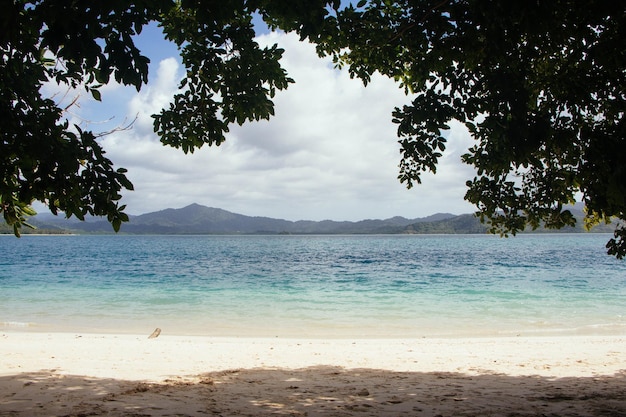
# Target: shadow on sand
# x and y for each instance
(317, 391)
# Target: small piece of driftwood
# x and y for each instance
(155, 333)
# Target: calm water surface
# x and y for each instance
(313, 286)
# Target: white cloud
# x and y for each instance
(156, 95)
(330, 152)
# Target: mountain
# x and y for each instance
(463, 224)
(198, 219)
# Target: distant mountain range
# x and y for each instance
(198, 219)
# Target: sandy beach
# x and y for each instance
(67, 374)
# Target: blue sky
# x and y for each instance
(330, 152)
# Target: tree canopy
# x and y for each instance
(84, 44)
(539, 85)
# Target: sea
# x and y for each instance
(353, 286)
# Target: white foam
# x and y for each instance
(14, 324)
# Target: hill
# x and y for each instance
(198, 219)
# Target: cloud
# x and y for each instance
(156, 95)
(330, 152)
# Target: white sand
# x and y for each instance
(74, 374)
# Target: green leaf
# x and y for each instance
(96, 94)
(116, 223)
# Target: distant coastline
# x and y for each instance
(196, 219)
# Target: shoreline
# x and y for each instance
(72, 374)
(383, 329)
(137, 357)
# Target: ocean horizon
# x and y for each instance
(350, 286)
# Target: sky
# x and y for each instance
(330, 152)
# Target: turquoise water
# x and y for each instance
(313, 286)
